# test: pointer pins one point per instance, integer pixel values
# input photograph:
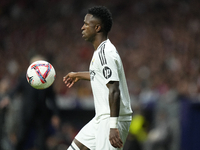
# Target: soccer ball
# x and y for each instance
(40, 74)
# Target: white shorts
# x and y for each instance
(96, 136)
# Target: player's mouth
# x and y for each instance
(83, 34)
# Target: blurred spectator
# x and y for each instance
(38, 110)
(4, 87)
(160, 42)
(160, 137)
(62, 137)
(138, 130)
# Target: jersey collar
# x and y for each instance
(102, 43)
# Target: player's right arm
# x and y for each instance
(73, 77)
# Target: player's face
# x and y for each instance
(88, 28)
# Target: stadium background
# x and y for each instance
(158, 42)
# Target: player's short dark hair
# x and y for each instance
(104, 14)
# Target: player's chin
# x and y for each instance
(85, 38)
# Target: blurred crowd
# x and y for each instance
(158, 41)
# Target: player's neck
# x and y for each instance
(98, 41)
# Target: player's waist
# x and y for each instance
(126, 117)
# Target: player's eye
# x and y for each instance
(86, 24)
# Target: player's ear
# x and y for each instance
(98, 28)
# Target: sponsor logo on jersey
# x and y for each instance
(107, 72)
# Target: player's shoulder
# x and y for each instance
(107, 47)
(110, 46)
(107, 50)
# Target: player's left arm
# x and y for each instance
(114, 98)
(114, 103)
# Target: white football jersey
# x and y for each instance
(105, 66)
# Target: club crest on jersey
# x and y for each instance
(92, 62)
(107, 72)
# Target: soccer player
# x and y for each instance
(109, 128)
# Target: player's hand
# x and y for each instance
(70, 79)
(114, 138)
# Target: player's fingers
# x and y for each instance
(64, 79)
(68, 83)
(116, 142)
(112, 143)
(119, 141)
(119, 144)
(68, 80)
(116, 145)
(72, 83)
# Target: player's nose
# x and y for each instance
(82, 28)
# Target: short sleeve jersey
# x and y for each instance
(106, 66)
